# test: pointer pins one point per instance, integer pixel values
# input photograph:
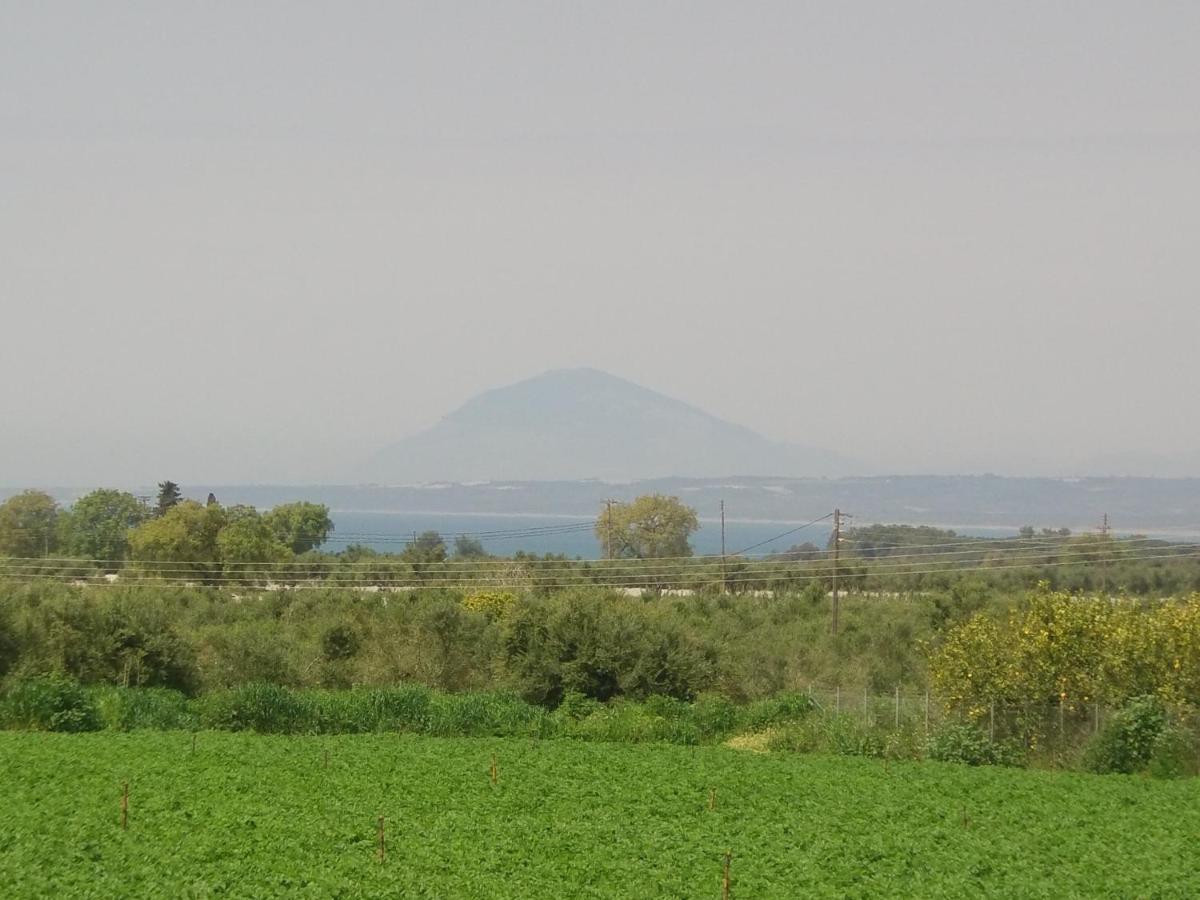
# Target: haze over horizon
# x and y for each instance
(257, 244)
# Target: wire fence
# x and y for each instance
(1067, 723)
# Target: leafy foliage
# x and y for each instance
(651, 527)
(28, 525)
(276, 816)
(601, 647)
(1130, 739)
(1072, 649)
(98, 525)
(300, 526)
(961, 742)
(49, 703)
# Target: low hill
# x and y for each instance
(583, 423)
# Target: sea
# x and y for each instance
(574, 537)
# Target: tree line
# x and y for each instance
(111, 527)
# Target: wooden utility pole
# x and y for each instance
(837, 543)
(1104, 529)
(724, 578)
(608, 543)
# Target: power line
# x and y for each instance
(784, 534)
(415, 583)
(684, 563)
(566, 575)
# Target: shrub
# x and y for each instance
(479, 714)
(127, 709)
(49, 703)
(963, 743)
(627, 722)
(404, 708)
(715, 717)
(602, 647)
(783, 708)
(339, 642)
(576, 706)
(494, 604)
(1129, 740)
(261, 707)
(247, 653)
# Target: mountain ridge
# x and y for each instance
(580, 423)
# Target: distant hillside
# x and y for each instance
(583, 423)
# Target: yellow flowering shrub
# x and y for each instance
(1074, 649)
(496, 604)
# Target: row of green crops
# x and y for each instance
(238, 814)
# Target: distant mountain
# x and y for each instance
(583, 423)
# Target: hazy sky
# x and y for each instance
(255, 241)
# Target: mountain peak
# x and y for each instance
(587, 423)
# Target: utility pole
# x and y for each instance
(724, 579)
(1104, 529)
(837, 542)
(608, 543)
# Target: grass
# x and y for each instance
(250, 815)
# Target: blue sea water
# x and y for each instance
(504, 535)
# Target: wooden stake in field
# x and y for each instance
(494, 772)
(712, 798)
(382, 843)
(326, 758)
(125, 806)
(726, 884)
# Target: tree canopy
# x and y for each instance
(168, 495)
(97, 526)
(651, 527)
(429, 547)
(300, 526)
(29, 525)
(186, 534)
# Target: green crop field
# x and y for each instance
(252, 816)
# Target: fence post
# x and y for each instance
(992, 722)
(897, 707)
(837, 698)
(1096, 719)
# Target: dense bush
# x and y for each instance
(1130, 739)
(601, 646)
(49, 703)
(262, 707)
(543, 645)
(1071, 648)
(962, 742)
(130, 709)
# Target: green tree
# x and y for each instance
(429, 547)
(168, 495)
(468, 548)
(246, 538)
(97, 526)
(186, 535)
(29, 525)
(300, 526)
(653, 526)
